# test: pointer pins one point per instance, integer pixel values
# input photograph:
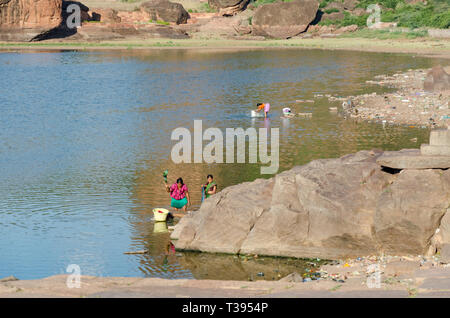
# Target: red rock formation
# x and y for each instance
(25, 19)
(30, 13)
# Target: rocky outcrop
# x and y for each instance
(95, 32)
(24, 20)
(229, 27)
(329, 208)
(228, 7)
(163, 10)
(350, 4)
(284, 19)
(105, 15)
(437, 79)
(322, 30)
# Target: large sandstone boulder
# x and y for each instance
(228, 27)
(284, 19)
(24, 20)
(228, 7)
(329, 208)
(437, 79)
(163, 10)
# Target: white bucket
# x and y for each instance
(160, 214)
(254, 113)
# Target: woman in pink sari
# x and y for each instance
(265, 106)
(179, 194)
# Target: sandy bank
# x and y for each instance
(426, 47)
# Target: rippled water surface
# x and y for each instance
(85, 137)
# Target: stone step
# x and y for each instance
(440, 137)
(405, 161)
(431, 150)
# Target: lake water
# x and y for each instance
(85, 136)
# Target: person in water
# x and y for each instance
(179, 194)
(265, 106)
(210, 187)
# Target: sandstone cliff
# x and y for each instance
(23, 20)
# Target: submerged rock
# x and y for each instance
(329, 208)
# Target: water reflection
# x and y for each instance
(85, 137)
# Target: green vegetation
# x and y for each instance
(160, 22)
(385, 34)
(328, 11)
(348, 20)
(203, 8)
(324, 3)
(433, 14)
(258, 3)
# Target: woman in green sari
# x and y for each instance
(209, 188)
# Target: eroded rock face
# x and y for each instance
(23, 20)
(163, 10)
(410, 210)
(284, 19)
(329, 208)
(228, 7)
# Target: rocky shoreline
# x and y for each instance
(399, 277)
(422, 98)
